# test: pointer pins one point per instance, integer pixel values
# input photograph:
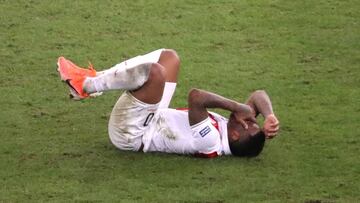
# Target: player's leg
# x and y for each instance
(144, 77)
(163, 73)
(171, 62)
(166, 57)
(142, 81)
(152, 90)
(129, 75)
(166, 70)
(134, 110)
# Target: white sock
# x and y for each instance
(169, 90)
(118, 77)
(117, 66)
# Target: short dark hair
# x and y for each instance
(250, 146)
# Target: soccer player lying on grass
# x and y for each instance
(142, 121)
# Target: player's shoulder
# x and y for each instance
(218, 117)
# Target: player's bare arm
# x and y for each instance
(150, 81)
(200, 100)
(261, 104)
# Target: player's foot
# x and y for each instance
(74, 77)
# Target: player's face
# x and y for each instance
(253, 127)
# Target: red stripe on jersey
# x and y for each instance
(214, 122)
(210, 155)
(216, 125)
(182, 109)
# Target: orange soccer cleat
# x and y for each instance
(74, 77)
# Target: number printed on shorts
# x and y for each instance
(148, 119)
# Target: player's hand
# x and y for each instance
(271, 126)
(244, 114)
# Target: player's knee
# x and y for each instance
(172, 55)
(258, 92)
(157, 72)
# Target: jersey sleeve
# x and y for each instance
(207, 140)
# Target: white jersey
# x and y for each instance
(135, 125)
(171, 132)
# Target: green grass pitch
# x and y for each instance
(305, 54)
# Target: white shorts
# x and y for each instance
(130, 117)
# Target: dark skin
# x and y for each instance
(242, 120)
(165, 70)
(260, 102)
(200, 100)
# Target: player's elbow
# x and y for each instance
(195, 97)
